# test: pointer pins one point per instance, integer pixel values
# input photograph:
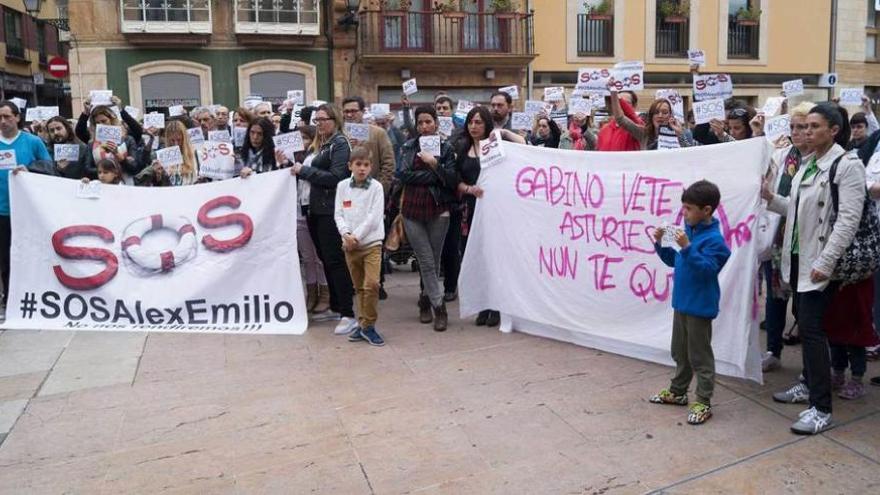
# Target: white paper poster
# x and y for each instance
(89, 190)
(513, 91)
(675, 100)
(380, 109)
(629, 76)
(289, 143)
(711, 86)
(430, 144)
(69, 152)
(217, 160)
(8, 159)
(667, 139)
(21, 103)
(297, 95)
(697, 57)
(169, 157)
(133, 112)
(196, 136)
(580, 105)
(554, 93)
(238, 136)
(521, 121)
(360, 132)
(410, 87)
(445, 126)
(175, 110)
(593, 80)
(463, 106)
(215, 258)
(794, 87)
(773, 105)
(491, 153)
(704, 111)
(32, 115)
(851, 96)
(108, 133)
(101, 97)
(589, 247)
(154, 120)
(220, 136)
(535, 107)
(776, 127)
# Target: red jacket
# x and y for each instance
(612, 137)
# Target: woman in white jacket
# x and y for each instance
(813, 243)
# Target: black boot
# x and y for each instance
(441, 318)
(482, 317)
(425, 315)
(494, 319)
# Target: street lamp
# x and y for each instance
(32, 6)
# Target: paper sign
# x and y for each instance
(580, 105)
(697, 57)
(317, 103)
(793, 88)
(108, 133)
(513, 91)
(359, 132)
(169, 156)
(297, 95)
(561, 120)
(851, 96)
(597, 99)
(196, 136)
(219, 136)
(430, 144)
(464, 106)
(32, 115)
(250, 103)
(20, 103)
(175, 110)
(772, 106)
(380, 109)
(667, 139)
(776, 127)
(491, 153)
(101, 97)
(156, 120)
(289, 143)
(629, 79)
(704, 111)
(521, 121)
(711, 86)
(7, 159)
(49, 112)
(69, 152)
(217, 160)
(409, 87)
(89, 190)
(675, 100)
(670, 232)
(535, 107)
(445, 126)
(554, 93)
(238, 136)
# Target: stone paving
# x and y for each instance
(468, 411)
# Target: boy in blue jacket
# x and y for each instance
(695, 298)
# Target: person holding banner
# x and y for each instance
(258, 152)
(784, 165)
(329, 166)
(545, 132)
(184, 174)
(61, 132)
(17, 149)
(429, 179)
(815, 239)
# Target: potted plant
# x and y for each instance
(504, 9)
(601, 11)
(450, 8)
(394, 8)
(748, 16)
(675, 12)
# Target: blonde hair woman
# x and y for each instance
(178, 175)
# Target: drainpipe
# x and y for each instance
(530, 78)
(328, 26)
(832, 59)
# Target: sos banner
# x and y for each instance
(562, 244)
(218, 257)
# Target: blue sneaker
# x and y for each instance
(355, 335)
(372, 336)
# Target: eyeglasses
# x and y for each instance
(739, 112)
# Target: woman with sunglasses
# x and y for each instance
(784, 164)
(329, 166)
(737, 127)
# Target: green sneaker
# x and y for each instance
(699, 413)
(667, 397)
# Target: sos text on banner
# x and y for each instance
(585, 270)
(211, 258)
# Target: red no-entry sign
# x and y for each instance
(58, 67)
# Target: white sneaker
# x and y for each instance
(328, 315)
(770, 362)
(346, 326)
(811, 422)
(797, 394)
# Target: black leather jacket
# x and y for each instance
(329, 166)
(441, 181)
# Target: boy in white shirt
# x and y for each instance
(359, 213)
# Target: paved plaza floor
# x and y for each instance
(468, 411)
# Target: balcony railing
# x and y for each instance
(297, 17)
(595, 37)
(384, 33)
(672, 38)
(742, 41)
(166, 16)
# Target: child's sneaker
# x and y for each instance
(372, 336)
(852, 390)
(667, 397)
(838, 379)
(699, 413)
(356, 336)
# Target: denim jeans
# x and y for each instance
(774, 313)
(426, 240)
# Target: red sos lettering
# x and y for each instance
(110, 260)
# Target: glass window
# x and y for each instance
(735, 5)
(165, 89)
(871, 47)
(872, 14)
(273, 86)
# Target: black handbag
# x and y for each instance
(862, 258)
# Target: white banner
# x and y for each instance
(212, 258)
(711, 86)
(585, 270)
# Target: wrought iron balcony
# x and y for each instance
(166, 16)
(595, 36)
(390, 35)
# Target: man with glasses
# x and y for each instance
(381, 151)
(205, 118)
